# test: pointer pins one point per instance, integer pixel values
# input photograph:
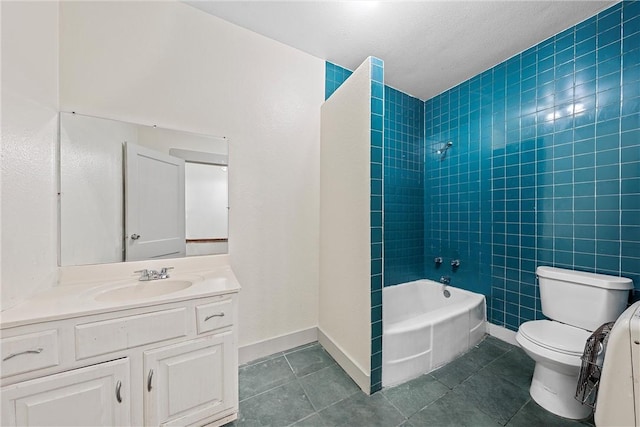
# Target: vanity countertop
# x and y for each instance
(82, 297)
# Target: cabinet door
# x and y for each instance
(97, 395)
(191, 381)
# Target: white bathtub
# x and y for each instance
(423, 330)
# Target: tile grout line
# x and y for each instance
(261, 360)
(266, 391)
(306, 393)
(302, 347)
(518, 411)
(290, 367)
(395, 407)
(302, 419)
(274, 387)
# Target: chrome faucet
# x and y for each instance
(455, 263)
(146, 274)
(445, 280)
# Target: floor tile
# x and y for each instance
(259, 377)
(363, 410)
(278, 407)
(485, 352)
(533, 414)
(487, 386)
(456, 371)
(590, 422)
(414, 395)
(261, 359)
(494, 395)
(499, 343)
(302, 347)
(314, 420)
(453, 409)
(308, 360)
(328, 386)
(514, 366)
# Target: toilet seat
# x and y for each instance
(555, 336)
(557, 349)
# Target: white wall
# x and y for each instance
(29, 134)
(345, 248)
(174, 66)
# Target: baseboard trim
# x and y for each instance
(274, 345)
(361, 378)
(502, 333)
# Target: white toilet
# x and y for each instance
(577, 303)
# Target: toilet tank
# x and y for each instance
(581, 299)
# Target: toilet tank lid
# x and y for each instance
(591, 279)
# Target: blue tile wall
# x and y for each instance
(377, 226)
(334, 76)
(544, 168)
(403, 181)
(403, 188)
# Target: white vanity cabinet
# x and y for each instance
(173, 363)
(97, 395)
(189, 382)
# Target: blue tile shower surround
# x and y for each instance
(397, 154)
(545, 166)
(544, 169)
(403, 181)
(403, 188)
(334, 76)
(377, 225)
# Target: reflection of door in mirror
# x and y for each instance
(91, 186)
(154, 204)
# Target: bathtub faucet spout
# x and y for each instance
(445, 280)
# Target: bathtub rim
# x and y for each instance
(410, 324)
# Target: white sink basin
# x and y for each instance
(142, 290)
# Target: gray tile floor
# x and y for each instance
(488, 386)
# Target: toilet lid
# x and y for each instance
(556, 336)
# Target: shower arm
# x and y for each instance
(446, 147)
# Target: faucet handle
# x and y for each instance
(164, 272)
(438, 260)
(144, 274)
(455, 263)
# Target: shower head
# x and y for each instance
(444, 149)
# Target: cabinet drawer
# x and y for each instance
(214, 316)
(24, 353)
(93, 339)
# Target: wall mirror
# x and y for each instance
(132, 192)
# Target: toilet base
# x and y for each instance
(555, 392)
